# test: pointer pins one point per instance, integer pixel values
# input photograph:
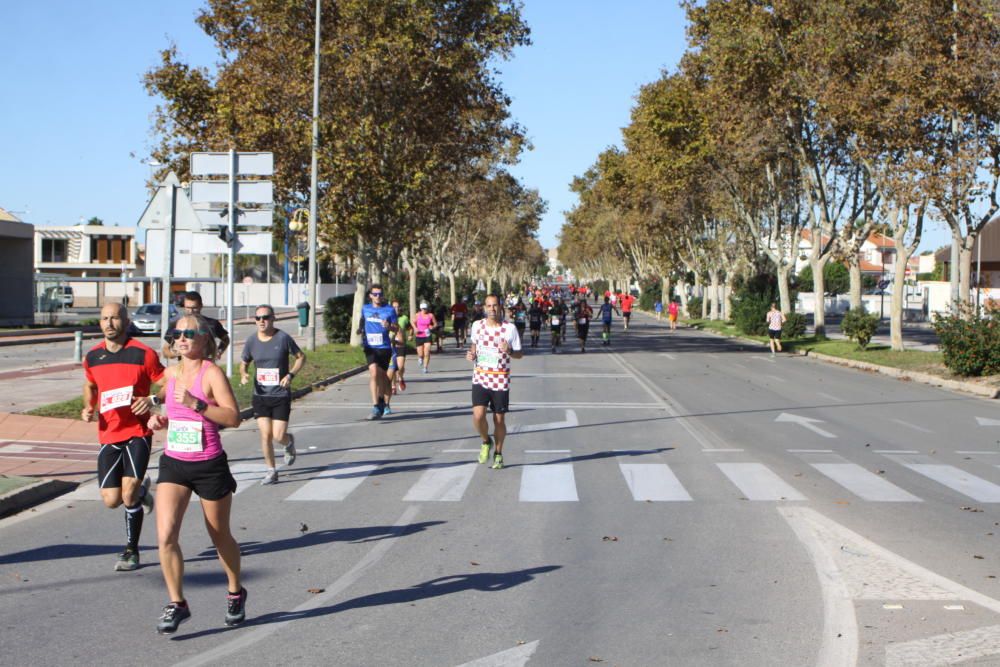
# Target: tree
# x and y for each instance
(95, 221)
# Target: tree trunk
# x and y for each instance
(819, 296)
(665, 290)
(896, 306)
(682, 288)
(728, 291)
(713, 292)
(412, 266)
(854, 267)
(451, 287)
(965, 274)
(783, 292)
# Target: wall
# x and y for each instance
(16, 267)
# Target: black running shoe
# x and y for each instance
(172, 616)
(236, 607)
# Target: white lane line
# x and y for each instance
(986, 421)
(668, 356)
(256, 633)
(335, 482)
(864, 483)
(830, 397)
(895, 451)
(365, 450)
(407, 405)
(758, 482)
(442, 482)
(513, 657)
(962, 451)
(16, 449)
(775, 378)
(247, 475)
(547, 451)
(722, 450)
(460, 451)
(548, 483)
(767, 359)
(958, 480)
(913, 426)
(653, 481)
(571, 375)
(809, 451)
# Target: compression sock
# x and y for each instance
(133, 525)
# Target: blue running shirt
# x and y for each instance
(376, 335)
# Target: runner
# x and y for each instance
(198, 401)
(626, 302)
(494, 343)
(605, 312)
(672, 310)
(378, 323)
(269, 348)
(397, 367)
(423, 323)
(118, 374)
(478, 313)
(535, 317)
(557, 320)
(520, 312)
(440, 315)
(459, 315)
(775, 318)
(658, 307)
(582, 314)
(192, 305)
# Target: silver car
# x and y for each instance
(147, 318)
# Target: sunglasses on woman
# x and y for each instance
(186, 333)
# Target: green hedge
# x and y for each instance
(970, 341)
(860, 326)
(337, 318)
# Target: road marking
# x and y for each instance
(335, 482)
(913, 426)
(958, 480)
(247, 475)
(460, 451)
(365, 450)
(668, 356)
(442, 482)
(547, 451)
(548, 483)
(767, 359)
(465, 407)
(254, 634)
(805, 422)
(962, 451)
(864, 483)
(895, 451)
(16, 449)
(758, 482)
(653, 481)
(946, 649)
(809, 451)
(737, 365)
(985, 421)
(722, 450)
(775, 378)
(829, 397)
(514, 657)
(571, 375)
(570, 422)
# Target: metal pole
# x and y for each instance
(230, 271)
(168, 256)
(311, 334)
(979, 267)
(77, 346)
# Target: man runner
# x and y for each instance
(192, 305)
(494, 343)
(605, 314)
(582, 314)
(626, 302)
(535, 317)
(118, 374)
(557, 322)
(459, 315)
(378, 324)
(269, 348)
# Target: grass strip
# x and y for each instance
(321, 363)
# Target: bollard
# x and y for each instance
(78, 346)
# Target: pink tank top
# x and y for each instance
(424, 325)
(190, 436)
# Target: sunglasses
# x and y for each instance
(376, 293)
(261, 318)
(186, 333)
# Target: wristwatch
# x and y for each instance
(154, 401)
(200, 406)
(291, 375)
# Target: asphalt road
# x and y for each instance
(679, 499)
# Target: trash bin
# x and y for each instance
(303, 314)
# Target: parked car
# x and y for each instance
(146, 319)
(57, 296)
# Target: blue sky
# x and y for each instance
(75, 119)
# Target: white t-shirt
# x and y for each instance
(492, 365)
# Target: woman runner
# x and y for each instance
(198, 400)
(423, 323)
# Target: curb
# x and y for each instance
(24, 497)
(247, 413)
(898, 373)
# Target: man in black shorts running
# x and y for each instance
(192, 305)
(119, 372)
(493, 344)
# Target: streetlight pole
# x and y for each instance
(311, 340)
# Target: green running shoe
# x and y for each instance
(497, 461)
(127, 561)
(484, 451)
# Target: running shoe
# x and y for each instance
(424, 369)
(236, 607)
(270, 477)
(420, 360)
(386, 411)
(127, 561)
(402, 384)
(172, 616)
(376, 413)
(147, 500)
(497, 461)
(290, 450)
(484, 451)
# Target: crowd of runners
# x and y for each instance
(130, 394)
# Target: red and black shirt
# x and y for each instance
(121, 377)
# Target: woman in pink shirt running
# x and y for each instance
(198, 400)
(423, 324)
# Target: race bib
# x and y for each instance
(374, 339)
(582, 320)
(488, 357)
(116, 398)
(268, 377)
(184, 436)
(555, 321)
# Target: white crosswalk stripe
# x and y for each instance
(653, 481)
(442, 482)
(334, 483)
(758, 482)
(958, 480)
(548, 483)
(864, 483)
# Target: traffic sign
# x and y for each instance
(157, 213)
(217, 164)
(253, 217)
(882, 284)
(247, 192)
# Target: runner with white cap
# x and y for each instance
(424, 323)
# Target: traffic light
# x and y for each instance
(227, 236)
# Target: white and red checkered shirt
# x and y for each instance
(493, 366)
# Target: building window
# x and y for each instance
(109, 250)
(54, 250)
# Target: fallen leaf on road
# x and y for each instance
(303, 527)
(472, 562)
(722, 630)
(879, 472)
(520, 642)
(315, 591)
(977, 556)
(842, 502)
(610, 538)
(594, 658)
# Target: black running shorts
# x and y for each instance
(774, 333)
(581, 331)
(497, 401)
(128, 458)
(380, 356)
(421, 340)
(278, 408)
(210, 479)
